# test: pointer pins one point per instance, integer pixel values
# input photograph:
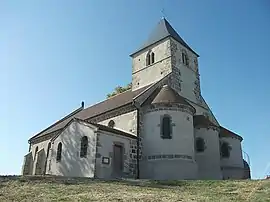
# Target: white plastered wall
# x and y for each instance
(126, 122)
(209, 160)
(232, 167)
(71, 163)
(182, 143)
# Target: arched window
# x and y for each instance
(36, 151)
(148, 59)
(166, 127)
(225, 150)
(152, 58)
(59, 152)
(111, 124)
(84, 145)
(200, 144)
(185, 58)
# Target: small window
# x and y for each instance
(84, 145)
(111, 124)
(36, 152)
(166, 127)
(225, 150)
(152, 58)
(200, 145)
(59, 152)
(148, 59)
(185, 58)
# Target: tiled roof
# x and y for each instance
(166, 94)
(201, 120)
(161, 31)
(92, 111)
(227, 133)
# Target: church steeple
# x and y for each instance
(163, 30)
(165, 52)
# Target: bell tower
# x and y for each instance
(163, 53)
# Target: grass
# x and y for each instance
(82, 189)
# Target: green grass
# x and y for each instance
(82, 189)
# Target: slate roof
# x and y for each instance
(201, 120)
(227, 133)
(161, 31)
(94, 110)
(166, 94)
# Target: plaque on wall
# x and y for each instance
(105, 160)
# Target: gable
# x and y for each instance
(73, 125)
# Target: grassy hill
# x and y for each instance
(82, 189)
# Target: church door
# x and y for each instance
(118, 160)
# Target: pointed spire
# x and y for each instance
(161, 31)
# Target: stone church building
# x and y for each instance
(162, 128)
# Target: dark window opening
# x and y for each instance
(200, 145)
(225, 150)
(84, 145)
(59, 152)
(166, 127)
(185, 58)
(148, 59)
(152, 58)
(111, 124)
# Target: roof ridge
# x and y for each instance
(59, 121)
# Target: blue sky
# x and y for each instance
(54, 54)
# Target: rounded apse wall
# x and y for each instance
(168, 158)
(208, 158)
(232, 165)
(235, 158)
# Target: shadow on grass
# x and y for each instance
(165, 184)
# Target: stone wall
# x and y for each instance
(142, 74)
(104, 156)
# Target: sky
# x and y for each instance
(55, 54)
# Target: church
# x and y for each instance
(162, 128)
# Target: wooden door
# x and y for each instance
(118, 160)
